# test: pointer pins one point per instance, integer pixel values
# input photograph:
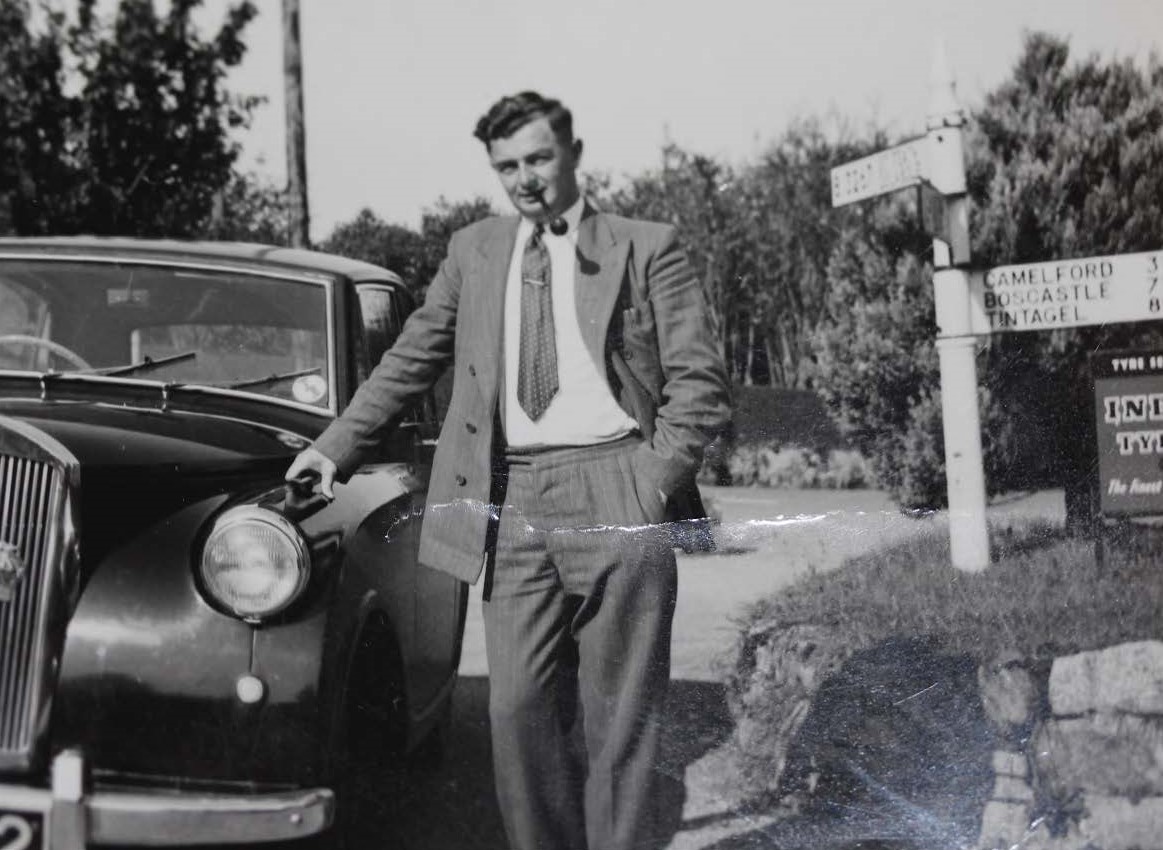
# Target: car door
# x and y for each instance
(438, 599)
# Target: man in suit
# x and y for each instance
(587, 380)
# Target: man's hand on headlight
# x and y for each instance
(310, 466)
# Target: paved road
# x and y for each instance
(768, 539)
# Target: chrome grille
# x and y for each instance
(26, 521)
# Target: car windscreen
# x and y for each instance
(247, 332)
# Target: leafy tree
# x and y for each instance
(438, 223)
(139, 141)
(368, 237)
(1067, 161)
(414, 256)
(788, 233)
(700, 197)
(1063, 161)
(759, 236)
(35, 160)
(250, 209)
(876, 356)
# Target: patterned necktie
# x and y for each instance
(537, 362)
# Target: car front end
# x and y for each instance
(161, 657)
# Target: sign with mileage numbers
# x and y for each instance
(1128, 403)
(1068, 293)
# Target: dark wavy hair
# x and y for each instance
(511, 113)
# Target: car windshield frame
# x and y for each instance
(207, 266)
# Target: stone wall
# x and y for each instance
(1072, 750)
(1090, 774)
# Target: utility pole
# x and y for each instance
(296, 136)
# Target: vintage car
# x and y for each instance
(192, 652)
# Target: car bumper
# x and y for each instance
(70, 819)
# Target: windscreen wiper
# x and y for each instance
(147, 364)
(272, 379)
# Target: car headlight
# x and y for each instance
(254, 563)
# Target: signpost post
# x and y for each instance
(936, 163)
(1027, 297)
(956, 344)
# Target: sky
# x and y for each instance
(393, 88)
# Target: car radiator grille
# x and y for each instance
(26, 488)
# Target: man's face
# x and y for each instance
(535, 158)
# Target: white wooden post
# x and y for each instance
(956, 344)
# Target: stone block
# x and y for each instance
(1003, 825)
(1105, 753)
(1127, 678)
(1011, 789)
(1115, 823)
(1008, 693)
(1006, 763)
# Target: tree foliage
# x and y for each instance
(415, 256)
(118, 126)
(759, 236)
(1064, 160)
(1067, 162)
(250, 208)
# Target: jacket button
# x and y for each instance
(472, 370)
(461, 480)
(468, 426)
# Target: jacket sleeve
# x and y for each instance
(695, 400)
(409, 368)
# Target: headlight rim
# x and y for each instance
(247, 514)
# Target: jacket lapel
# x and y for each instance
(490, 276)
(601, 264)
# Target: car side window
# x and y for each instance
(379, 304)
(385, 307)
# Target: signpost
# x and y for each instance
(937, 164)
(1026, 297)
(887, 171)
(1068, 293)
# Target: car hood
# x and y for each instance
(140, 464)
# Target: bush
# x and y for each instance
(795, 467)
(846, 469)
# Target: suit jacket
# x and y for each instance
(644, 320)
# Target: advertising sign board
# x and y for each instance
(1128, 403)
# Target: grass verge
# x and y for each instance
(1044, 594)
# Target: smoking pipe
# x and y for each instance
(558, 225)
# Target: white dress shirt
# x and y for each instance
(584, 411)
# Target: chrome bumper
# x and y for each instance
(72, 819)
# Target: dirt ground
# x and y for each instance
(767, 540)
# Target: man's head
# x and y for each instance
(531, 146)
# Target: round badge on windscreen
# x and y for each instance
(309, 389)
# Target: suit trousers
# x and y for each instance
(579, 600)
